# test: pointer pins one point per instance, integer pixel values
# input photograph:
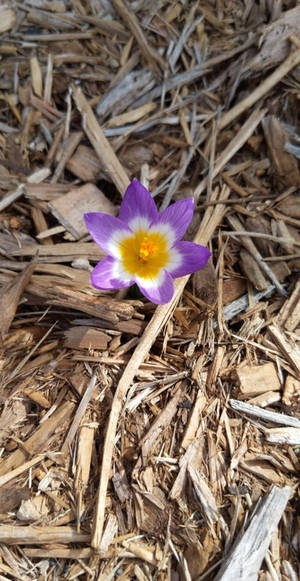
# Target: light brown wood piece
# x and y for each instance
(83, 337)
(36, 76)
(233, 147)
(252, 271)
(79, 414)
(11, 197)
(108, 158)
(265, 399)
(290, 351)
(291, 390)
(205, 495)
(275, 40)
(83, 465)
(161, 422)
(68, 148)
(62, 553)
(194, 420)
(285, 436)
(10, 296)
(250, 246)
(23, 468)
(289, 314)
(70, 208)
(256, 379)
(89, 250)
(29, 535)
(84, 163)
(285, 164)
(40, 224)
(7, 18)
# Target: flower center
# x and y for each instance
(144, 253)
(147, 248)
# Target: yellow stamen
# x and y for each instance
(144, 254)
(147, 248)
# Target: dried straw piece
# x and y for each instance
(211, 219)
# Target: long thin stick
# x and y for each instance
(292, 61)
(211, 219)
(232, 148)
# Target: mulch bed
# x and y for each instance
(142, 442)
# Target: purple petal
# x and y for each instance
(107, 231)
(138, 208)
(188, 257)
(159, 290)
(108, 275)
(174, 220)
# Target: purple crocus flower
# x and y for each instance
(143, 245)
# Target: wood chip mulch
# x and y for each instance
(137, 442)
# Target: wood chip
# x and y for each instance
(69, 208)
(258, 379)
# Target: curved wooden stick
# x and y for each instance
(211, 219)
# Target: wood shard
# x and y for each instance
(256, 379)
(274, 417)
(291, 391)
(245, 558)
(70, 208)
(84, 164)
(85, 338)
(101, 145)
(289, 436)
(10, 296)
(285, 163)
(29, 535)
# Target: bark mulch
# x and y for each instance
(141, 442)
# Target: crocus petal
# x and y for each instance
(107, 231)
(187, 257)
(158, 290)
(109, 275)
(138, 208)
(174, 220)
